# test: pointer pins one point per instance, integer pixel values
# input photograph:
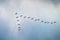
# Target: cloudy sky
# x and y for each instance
(45, 10)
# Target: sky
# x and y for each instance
(15, 24)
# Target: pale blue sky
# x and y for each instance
(30, 30)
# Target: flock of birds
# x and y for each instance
(32, 19)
